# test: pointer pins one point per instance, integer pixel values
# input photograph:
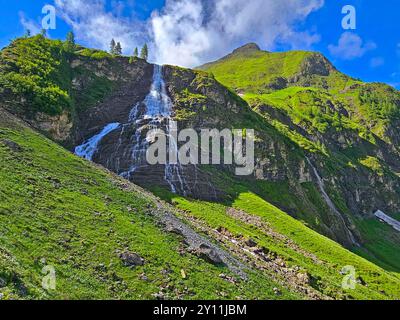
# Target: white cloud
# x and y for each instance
(96, 26)
(351, 46)
(191, 32)
(29, 24)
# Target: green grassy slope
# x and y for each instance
(36, 76)
(256, 71)
(37, 69)
(59, 210)
(327, 258)
(259, 73)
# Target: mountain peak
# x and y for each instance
(247, 48)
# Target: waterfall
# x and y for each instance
(157, 114)
(89, 148)
(329, 202)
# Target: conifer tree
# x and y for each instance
(144, 54)
(118, 49)
(70, 42)
(112, 46)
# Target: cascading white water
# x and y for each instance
(159, 109)
(158, 113)
(158, 103)
(329, 201)
(89, 148)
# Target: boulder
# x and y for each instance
(251, 243)
(13, 146)
(131, 260)
(210, 255)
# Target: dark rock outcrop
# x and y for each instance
(131, 260)
(13, 146)
(250, 47)
(132, 85)
(210, 255)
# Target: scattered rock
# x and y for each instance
(175, 230)
(158, 296)
(227, 278)
(224, 232)
(13, 146)
(277, 292)
(21, 288)
(361, 281)
(263, 254)
(303, 278)
(101, 267)
(208, 254)
(143, 277)
(265, 250)
(130, 259)
(56, 185)
(251, 243)
(165, 272)
(56, 182)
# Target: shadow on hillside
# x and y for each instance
(278, 195)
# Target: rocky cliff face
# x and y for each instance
(196, 101)
(131, 84)
(365, 187)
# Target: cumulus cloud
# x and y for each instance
(95, 26)
(191, 32)
(351, 46)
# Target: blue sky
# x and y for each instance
(191, 32)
